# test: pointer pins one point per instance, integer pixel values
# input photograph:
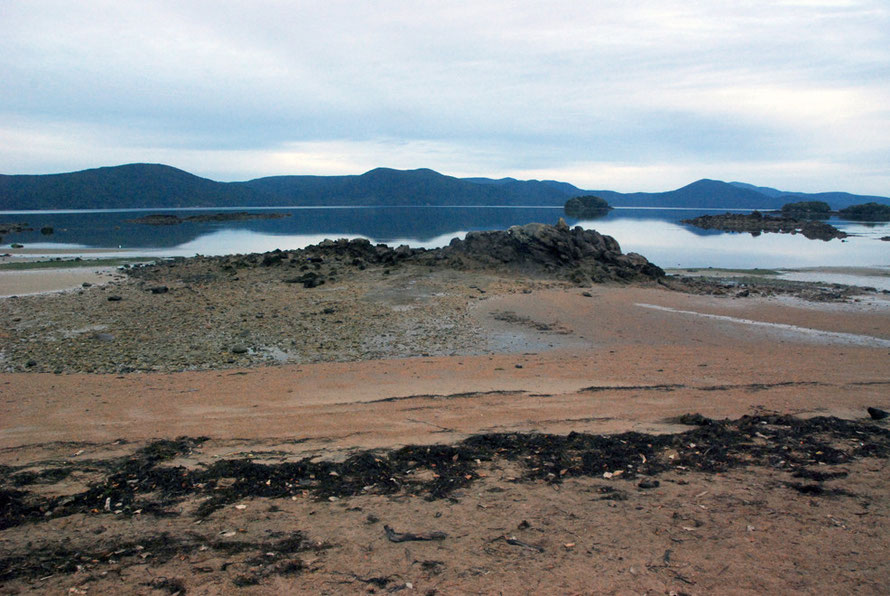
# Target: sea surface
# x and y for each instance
(656, 233)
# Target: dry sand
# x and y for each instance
(619, 359)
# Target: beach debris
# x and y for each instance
(239, 349)
(378, 581)
(394, 536)
(877, 413)
(432, 566)
(115, 298)
(647, 483)
(159, 289)
(513, 541)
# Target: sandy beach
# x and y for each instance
(427, 481)
(42, 281)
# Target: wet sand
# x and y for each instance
(609, 340)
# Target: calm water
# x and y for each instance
(655, 233)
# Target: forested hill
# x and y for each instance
(161, 186)
(730, 195)
(121, 187)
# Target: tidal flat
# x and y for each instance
(301, 422)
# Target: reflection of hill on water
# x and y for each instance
(111, 229)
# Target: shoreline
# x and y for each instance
(56, 280)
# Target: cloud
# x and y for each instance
(653, 86)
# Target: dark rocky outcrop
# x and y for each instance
(757, 223)
(807, 210)
(866, 212)
(573, 253)
(586, 207)
(14, 228)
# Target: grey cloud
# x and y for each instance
(651, 81)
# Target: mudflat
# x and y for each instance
(442, 431)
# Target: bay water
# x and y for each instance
(656, 233)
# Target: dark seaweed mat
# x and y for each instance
(271, 557)
(142, 482)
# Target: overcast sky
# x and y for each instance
(641, 95)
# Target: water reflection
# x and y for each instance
(673, 245)
(655, 233)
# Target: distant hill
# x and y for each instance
(161, 186)
(764, 190)
(381, 186)
(838, 200)
(715, 194)
(120, 187)
(700, 195)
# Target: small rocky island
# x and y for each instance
(163, 219)
(756, 223)
(866, 212)
(586, 207)
(807, 210)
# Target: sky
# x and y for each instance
(646, 95)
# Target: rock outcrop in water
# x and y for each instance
(587, 206)
(163, 219)
(866, 212)
(756, 223)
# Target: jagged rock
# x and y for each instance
(558, 251)
(573, 253)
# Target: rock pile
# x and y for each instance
(573, 253)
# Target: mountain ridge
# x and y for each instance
(161, 186)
